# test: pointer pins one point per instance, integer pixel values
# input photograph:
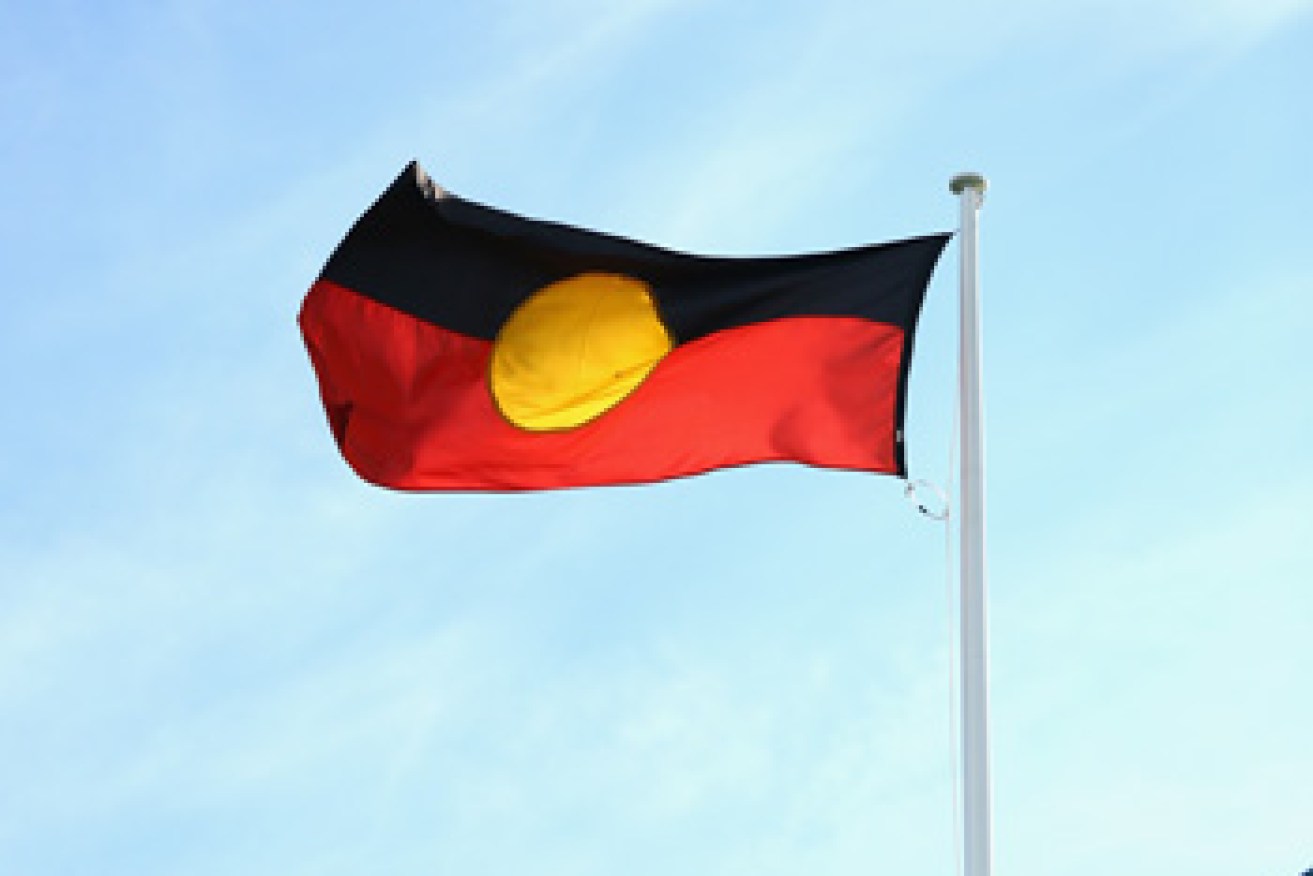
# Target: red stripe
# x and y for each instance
(410, 406)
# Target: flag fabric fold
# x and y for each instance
(460, 347)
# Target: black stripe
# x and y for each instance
(466, 267)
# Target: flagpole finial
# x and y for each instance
(964, 181)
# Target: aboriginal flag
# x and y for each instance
(459, 347)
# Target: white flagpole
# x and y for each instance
(976, 798)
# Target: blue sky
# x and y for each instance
(220, 653)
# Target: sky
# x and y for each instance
(222, 653)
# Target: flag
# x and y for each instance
(460, 347)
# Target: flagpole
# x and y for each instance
(976, 798)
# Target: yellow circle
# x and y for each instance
(575, 349)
